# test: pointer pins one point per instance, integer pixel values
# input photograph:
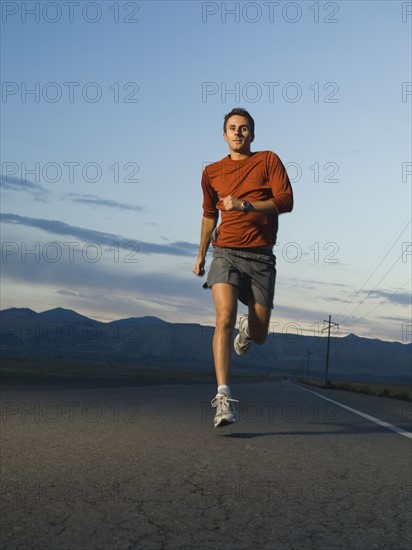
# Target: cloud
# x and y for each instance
(301, 282)
(111, 289)
(402, 298)
(72, 273)
(71, 293)
(333, 299)
(112, 285)
(114, 289)
(117, 304)
(55, 227)
(12, 183)
(97, 201)
(397, 319)
(107, 291)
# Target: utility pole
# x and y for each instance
(327, 349)
(307, 367)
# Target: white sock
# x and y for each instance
(224, 389)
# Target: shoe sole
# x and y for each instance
(224, 422)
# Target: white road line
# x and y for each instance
(400, 431)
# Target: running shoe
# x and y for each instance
(225, 410)
(242, 340)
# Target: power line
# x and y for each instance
(372, 274)
(382, 303)
(374, 288)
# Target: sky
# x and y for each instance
(111, 109)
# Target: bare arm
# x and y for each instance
(208, 225)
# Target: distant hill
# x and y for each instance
(140, 321)
(61, 315)
(65, 334)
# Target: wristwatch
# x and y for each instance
(246, 206)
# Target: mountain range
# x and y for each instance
(63, 334)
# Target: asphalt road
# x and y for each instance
(144, 468)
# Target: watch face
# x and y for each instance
(246, 206)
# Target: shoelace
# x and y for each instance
(223, 399)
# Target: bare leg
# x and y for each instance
(225, 297)
(259, 317)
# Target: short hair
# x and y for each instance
(240, 112)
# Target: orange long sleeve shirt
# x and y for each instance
(259, 177)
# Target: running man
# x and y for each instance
(249, 190)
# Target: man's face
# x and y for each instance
(238, 135)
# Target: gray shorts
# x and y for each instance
(253, 271)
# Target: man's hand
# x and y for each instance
(232, 203)
(208, 226)
(199, 267)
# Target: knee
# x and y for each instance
(225, 320)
